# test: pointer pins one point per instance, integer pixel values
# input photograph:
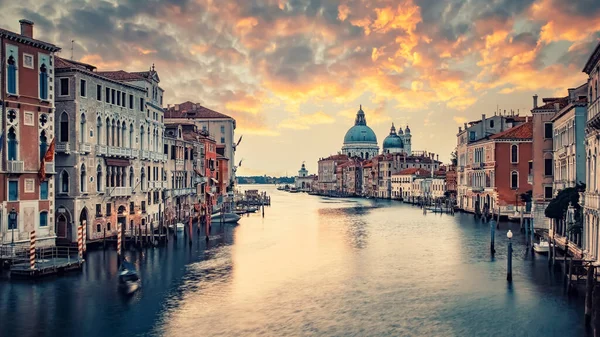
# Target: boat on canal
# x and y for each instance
(294, 190)
(129, 281)
(543, 247)
(227, 217)
(180, 226)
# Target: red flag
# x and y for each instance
(48, 156)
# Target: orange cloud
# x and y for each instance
(303, 122)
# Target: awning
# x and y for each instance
(117, 162)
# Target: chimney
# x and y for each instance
(557, 106)
(437, 157)
(465, 125)
(26, 28)
(459, 129)
(535, 97)
(176, 107)
(526, 119)
(482, 125)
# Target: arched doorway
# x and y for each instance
(61, 225)
(83, 219)
(122, 217)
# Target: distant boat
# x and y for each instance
(129, 281)
(280, 188)
(227, 217)
(294, 190)
(180, 226)
(541, 248)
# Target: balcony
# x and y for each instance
(49, 168)
(135, 153)
(145, 154)
(561, 152)
(15, 166)
(85, 148)
(477, 189)
(63, 148)
(100, 150)
(592, 200)
(121, 192)
(182, 191)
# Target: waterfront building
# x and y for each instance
(367, 179)
(327, 184)
(473, 132)
(360, 140)
(102, 178)
(148, 135)
(28, 113)
(497, 170)
(397, 142)
(349, 177)
(428, 188)
(209, 182)
(451, 183)
(384, 170)
(303, 181)
(185, 157)
(541, 177)
(219, 127)
(402, 182)
(591, 197)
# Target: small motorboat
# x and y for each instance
(180, 226)
(543, 247)
(226, 218)
(129, 281)
(294, 190)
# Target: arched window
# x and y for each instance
(98, 130)
(43, 82)
(82, 130)
(491, 124)
(64, 127)
(131, 135)
(123, 131)
(64, 182)
(43, 144)
(107, 125)
(99, 178)
(131, 177)
(367, 155)
(83, 179)
(12, 144)
(11, 75)
(514, 153)
(112, 138)
(514, 180)
(143, 180)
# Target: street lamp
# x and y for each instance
(509, 235)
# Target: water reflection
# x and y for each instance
(311, 266)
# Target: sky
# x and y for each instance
(294, 72)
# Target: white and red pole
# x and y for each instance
(119, 239)
(84, 236)
(80, 241)
(32, 250)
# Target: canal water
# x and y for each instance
(311, 266)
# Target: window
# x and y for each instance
(131, 207)
(64, 182)
(64, 127)
(44, 190)
(82, 88)
(82, 179)
(143, 206)
(123, 95)
(222, 128)
(11, 76)
(112, 96)
(118, 98)
(64, 87)
(28, 61)
(130, 101)
(548, 130)
(43, 82)
(13, 190)
(98, 210)
(107, 95)
(548, 166)
(141, 104)
(223, 140)
(108, 209)
(165, 148)
(548, 192)
(173, 152)
(108, 226)
(99, 92)
(491, 123)
(98, 228)
(514, 154)
(472, 135)
(12, 144)
(43, 219)
(514, 180)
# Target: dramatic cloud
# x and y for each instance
(272, 63)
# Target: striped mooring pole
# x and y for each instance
(84, 225)
(119, 237)
(32, 250)
(80, 241)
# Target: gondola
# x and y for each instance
(129, 281)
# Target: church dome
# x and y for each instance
(393, 141)
(360, 132)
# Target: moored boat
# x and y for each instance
(543, 247)
(226, 218)
(180, 226)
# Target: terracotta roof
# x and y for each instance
(523, 131)
(368, 165)
(192, 110)
(27, 40)
(413, 171)
(120, 75)
(61, 63)
(562, 101)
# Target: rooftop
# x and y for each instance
(523, 131)
(192, 110)
(593, 60)
(27, 40)
(413, 171)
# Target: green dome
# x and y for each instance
(360, 132)
(393, 141)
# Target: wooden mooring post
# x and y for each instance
(589, 287)
(596, 310)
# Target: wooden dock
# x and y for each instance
(48, 261)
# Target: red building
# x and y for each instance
(27, 133)
(222, 171)
(210, 168)
(498, 168)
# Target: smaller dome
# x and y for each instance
(393, 141)
(407, 130)
(400, 132)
